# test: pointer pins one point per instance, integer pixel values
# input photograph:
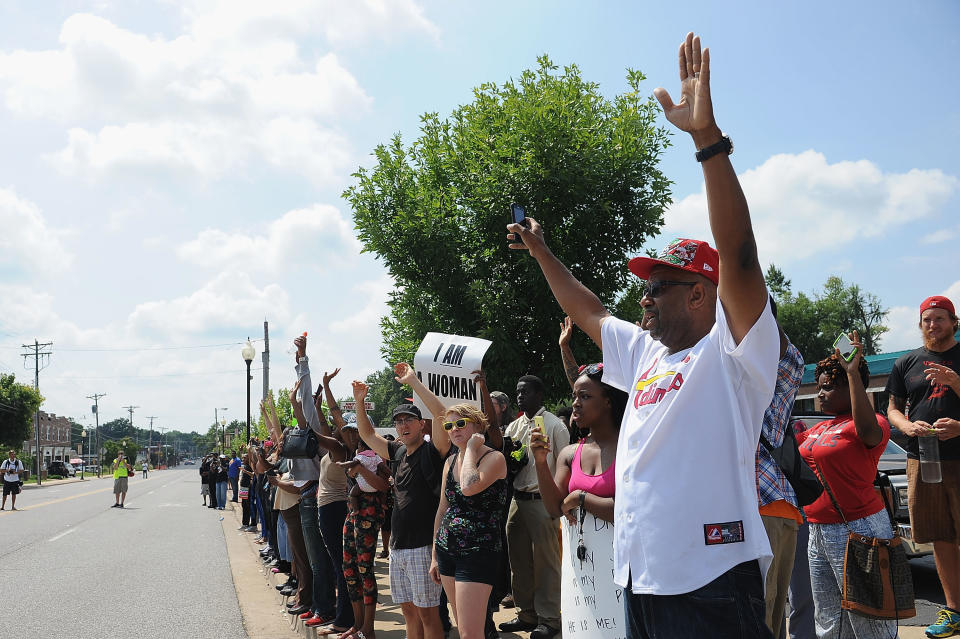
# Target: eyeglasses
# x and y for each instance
(404, 420)
(590, 369)
(656, 289)
(460, 423)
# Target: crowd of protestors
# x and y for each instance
(669, 438)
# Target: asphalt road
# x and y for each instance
(72, 566)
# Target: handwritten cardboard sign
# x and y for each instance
(591, 605)
(445, 363)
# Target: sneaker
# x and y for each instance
(115, 506)
(518, 624)
(121, 506)
(946, 625)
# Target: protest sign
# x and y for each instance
(591, 605)
(445, 363)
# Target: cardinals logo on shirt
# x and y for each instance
(652, 390)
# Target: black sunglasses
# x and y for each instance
(656, 289)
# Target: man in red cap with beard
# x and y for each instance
(926, 379)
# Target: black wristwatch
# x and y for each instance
(724, 145)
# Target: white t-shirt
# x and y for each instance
(370, 461)
(686, 494)
(11, 468)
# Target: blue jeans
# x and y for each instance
(324, 596)
(331, 518)
(235, 486)
(221, 494)
(800, 597)
(282, 546)
(827, 545)
(729, 607)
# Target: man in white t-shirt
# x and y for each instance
(690, 549)
(11, 467)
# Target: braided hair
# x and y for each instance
(832, 367)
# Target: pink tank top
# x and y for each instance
(600, 485)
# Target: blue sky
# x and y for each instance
(170, 172)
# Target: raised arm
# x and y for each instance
(864, 417)
(439, 437)
(332, 404)
(377, 444)
(269, 411)
(570, 366)
(475, 475)
(741, 289)
(494, 434)
(574, 298)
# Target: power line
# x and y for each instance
(99, 349)
(231, 370)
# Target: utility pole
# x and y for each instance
(130, 410)
(39, 351)
(266, 360)
(96, 412)
(163, 434)
(150, 441)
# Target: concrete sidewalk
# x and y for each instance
(264, 612)
(61, 482)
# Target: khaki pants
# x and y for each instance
(534, 549)
(782, 534)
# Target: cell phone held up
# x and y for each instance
(519, 215)
(847, 350)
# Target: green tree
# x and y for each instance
(112, 447)
(18, 405)
(813, 322)
(434, 212)
(385, 393)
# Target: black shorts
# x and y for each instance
(481, 566)
(11, 487)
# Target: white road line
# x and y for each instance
(151, 492)
(63, 534)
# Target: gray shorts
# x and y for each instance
(119, 485)
(204, 488)
(410, 577)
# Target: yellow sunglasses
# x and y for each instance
(460, 423)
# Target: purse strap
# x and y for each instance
(881, 479)
(833, 499)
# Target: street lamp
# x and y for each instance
(248, 353)
(219, 420)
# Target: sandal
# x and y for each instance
(333, 630)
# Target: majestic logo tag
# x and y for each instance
(729, 532)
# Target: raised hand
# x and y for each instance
(475, 442)
(328, 376)
(479, 377)
(293, 391)
(530, 238)
(539, 445)
(360, 392)
(301, 343)
(566, 331)
(404, 373)
(853, 366)
(694, 112)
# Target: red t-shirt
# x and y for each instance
(848, 466)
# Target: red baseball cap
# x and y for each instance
(694, 256)
(938, 301)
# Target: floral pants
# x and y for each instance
(360, 532)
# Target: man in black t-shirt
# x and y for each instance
(416, 496)
(924, 388)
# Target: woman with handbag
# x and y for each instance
(844, 452)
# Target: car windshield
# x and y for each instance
(893, 449)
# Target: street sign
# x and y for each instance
(352, 406)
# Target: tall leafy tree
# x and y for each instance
(435, 211)
(18, 404)
(813, 321)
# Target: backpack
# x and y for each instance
(805, 483)
(300, 443)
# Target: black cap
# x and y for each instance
(407, 409)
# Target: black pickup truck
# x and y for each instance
(893, 463)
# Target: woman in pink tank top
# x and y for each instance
(585, 471)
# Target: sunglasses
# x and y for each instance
(590, 369)
(460, 423)
(656, 289)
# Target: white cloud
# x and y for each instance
(27, 242)
(904, 321)
(940, 235)
(801, 205)
(366, 320)
(242, 82)
(305, 237)
(228, 302)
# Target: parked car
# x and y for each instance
(893, 463)
(62, 468)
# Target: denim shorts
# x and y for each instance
(482, 566)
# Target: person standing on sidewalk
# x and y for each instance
(12, 468)
(233, 474)
(121, 472)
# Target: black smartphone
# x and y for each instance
(272, 472)
(519, 215)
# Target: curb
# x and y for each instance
(61, 482)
